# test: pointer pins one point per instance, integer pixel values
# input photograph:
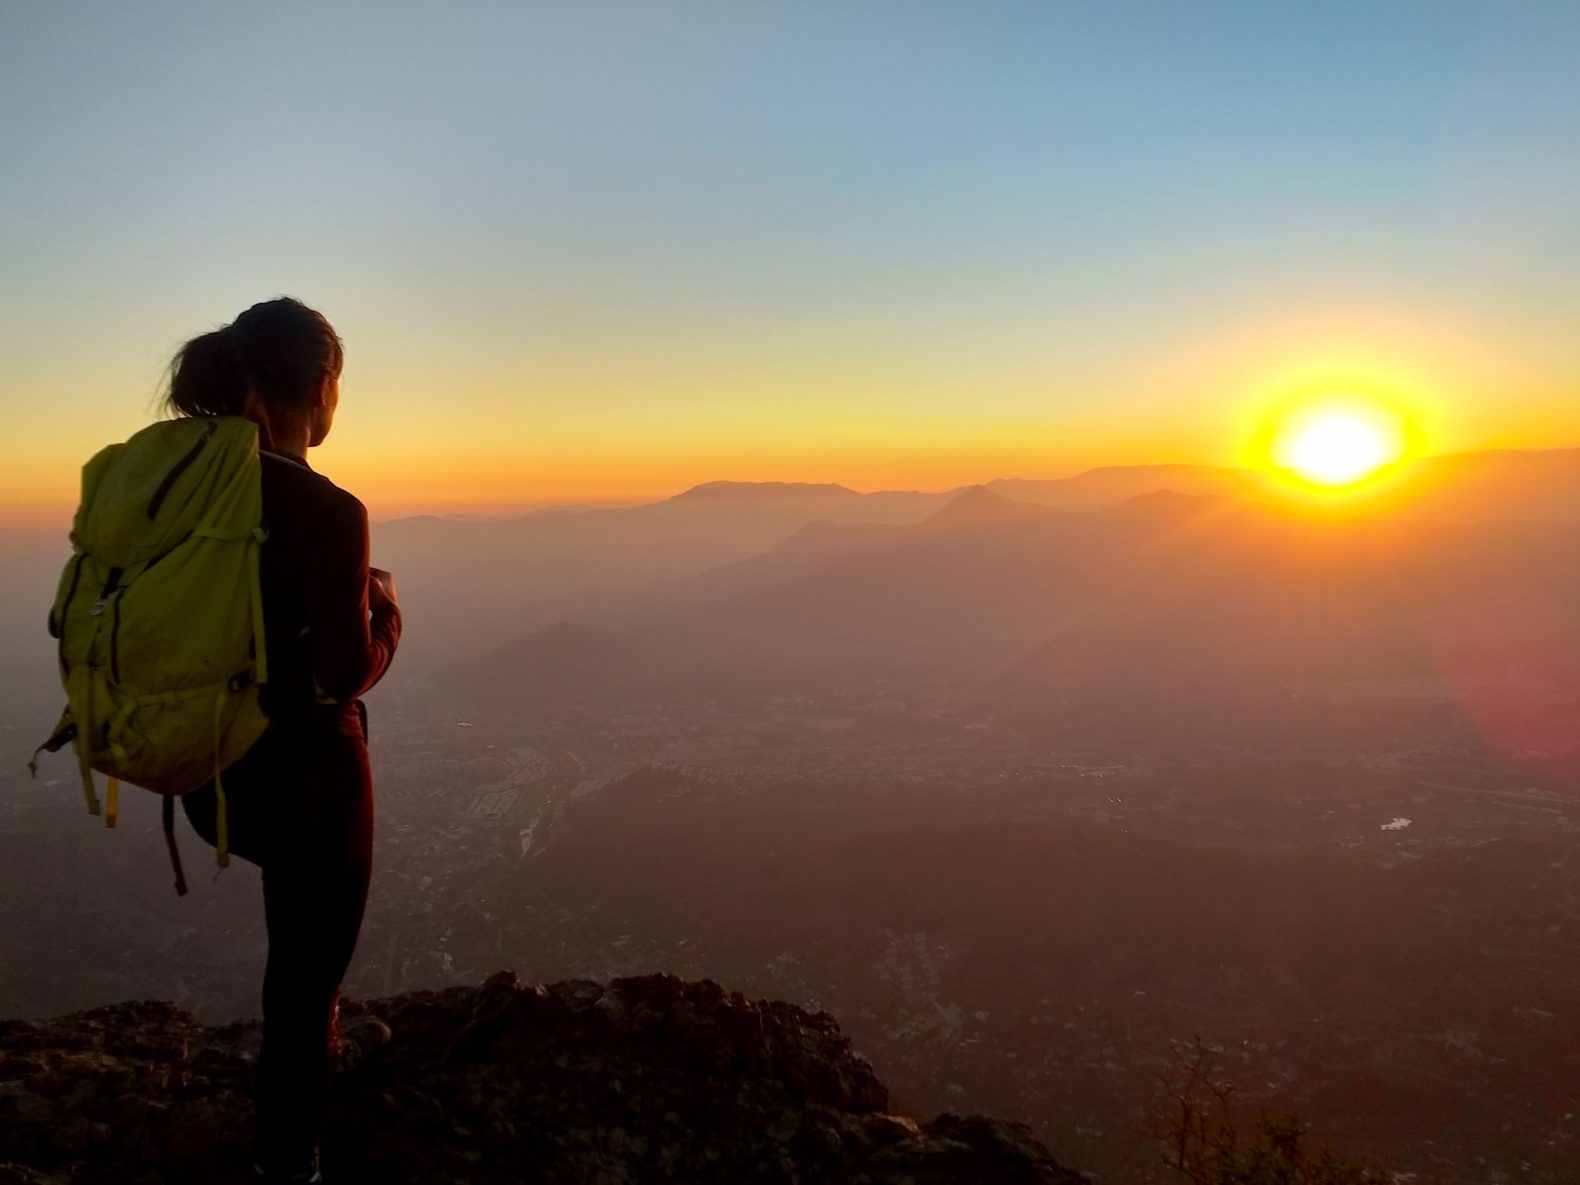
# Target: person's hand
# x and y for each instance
(381, 589)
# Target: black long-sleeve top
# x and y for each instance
(324, 648)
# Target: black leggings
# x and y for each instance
(300, 806)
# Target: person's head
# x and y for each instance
(278, 364)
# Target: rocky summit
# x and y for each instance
(642, 1080)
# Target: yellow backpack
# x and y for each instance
(159, 615)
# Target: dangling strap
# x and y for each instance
(65, 732)
(83, 738)
(88, 791)
(170, 843)
(112, 801)
(221, 818)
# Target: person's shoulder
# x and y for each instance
(292, 481)
(347, 502)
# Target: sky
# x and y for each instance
(603, 251)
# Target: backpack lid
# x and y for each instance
(141, 498)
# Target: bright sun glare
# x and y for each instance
(1338, 444)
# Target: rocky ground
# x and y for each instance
(643, 1080)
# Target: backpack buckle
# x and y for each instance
(98, 607)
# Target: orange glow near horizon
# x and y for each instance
(401, 464)
(398, 486)
(586, 426)
(396, 480)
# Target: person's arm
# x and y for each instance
(384, 618)
(350, 652)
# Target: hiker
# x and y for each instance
(299, 803)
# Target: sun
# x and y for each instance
(1338, 442)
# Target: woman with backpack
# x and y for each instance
(299, 804)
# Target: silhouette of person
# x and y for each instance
(300, 802)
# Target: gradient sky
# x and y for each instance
(587, 251)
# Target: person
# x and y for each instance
(300, 802)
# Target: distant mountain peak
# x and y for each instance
(1113, 485)
(766, 489)
(979, 506)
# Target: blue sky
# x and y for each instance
(562, 238)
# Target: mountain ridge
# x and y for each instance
(765, 489)
(980, 507)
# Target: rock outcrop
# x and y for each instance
(642, 1080)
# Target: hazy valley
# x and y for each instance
(1024, 783)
